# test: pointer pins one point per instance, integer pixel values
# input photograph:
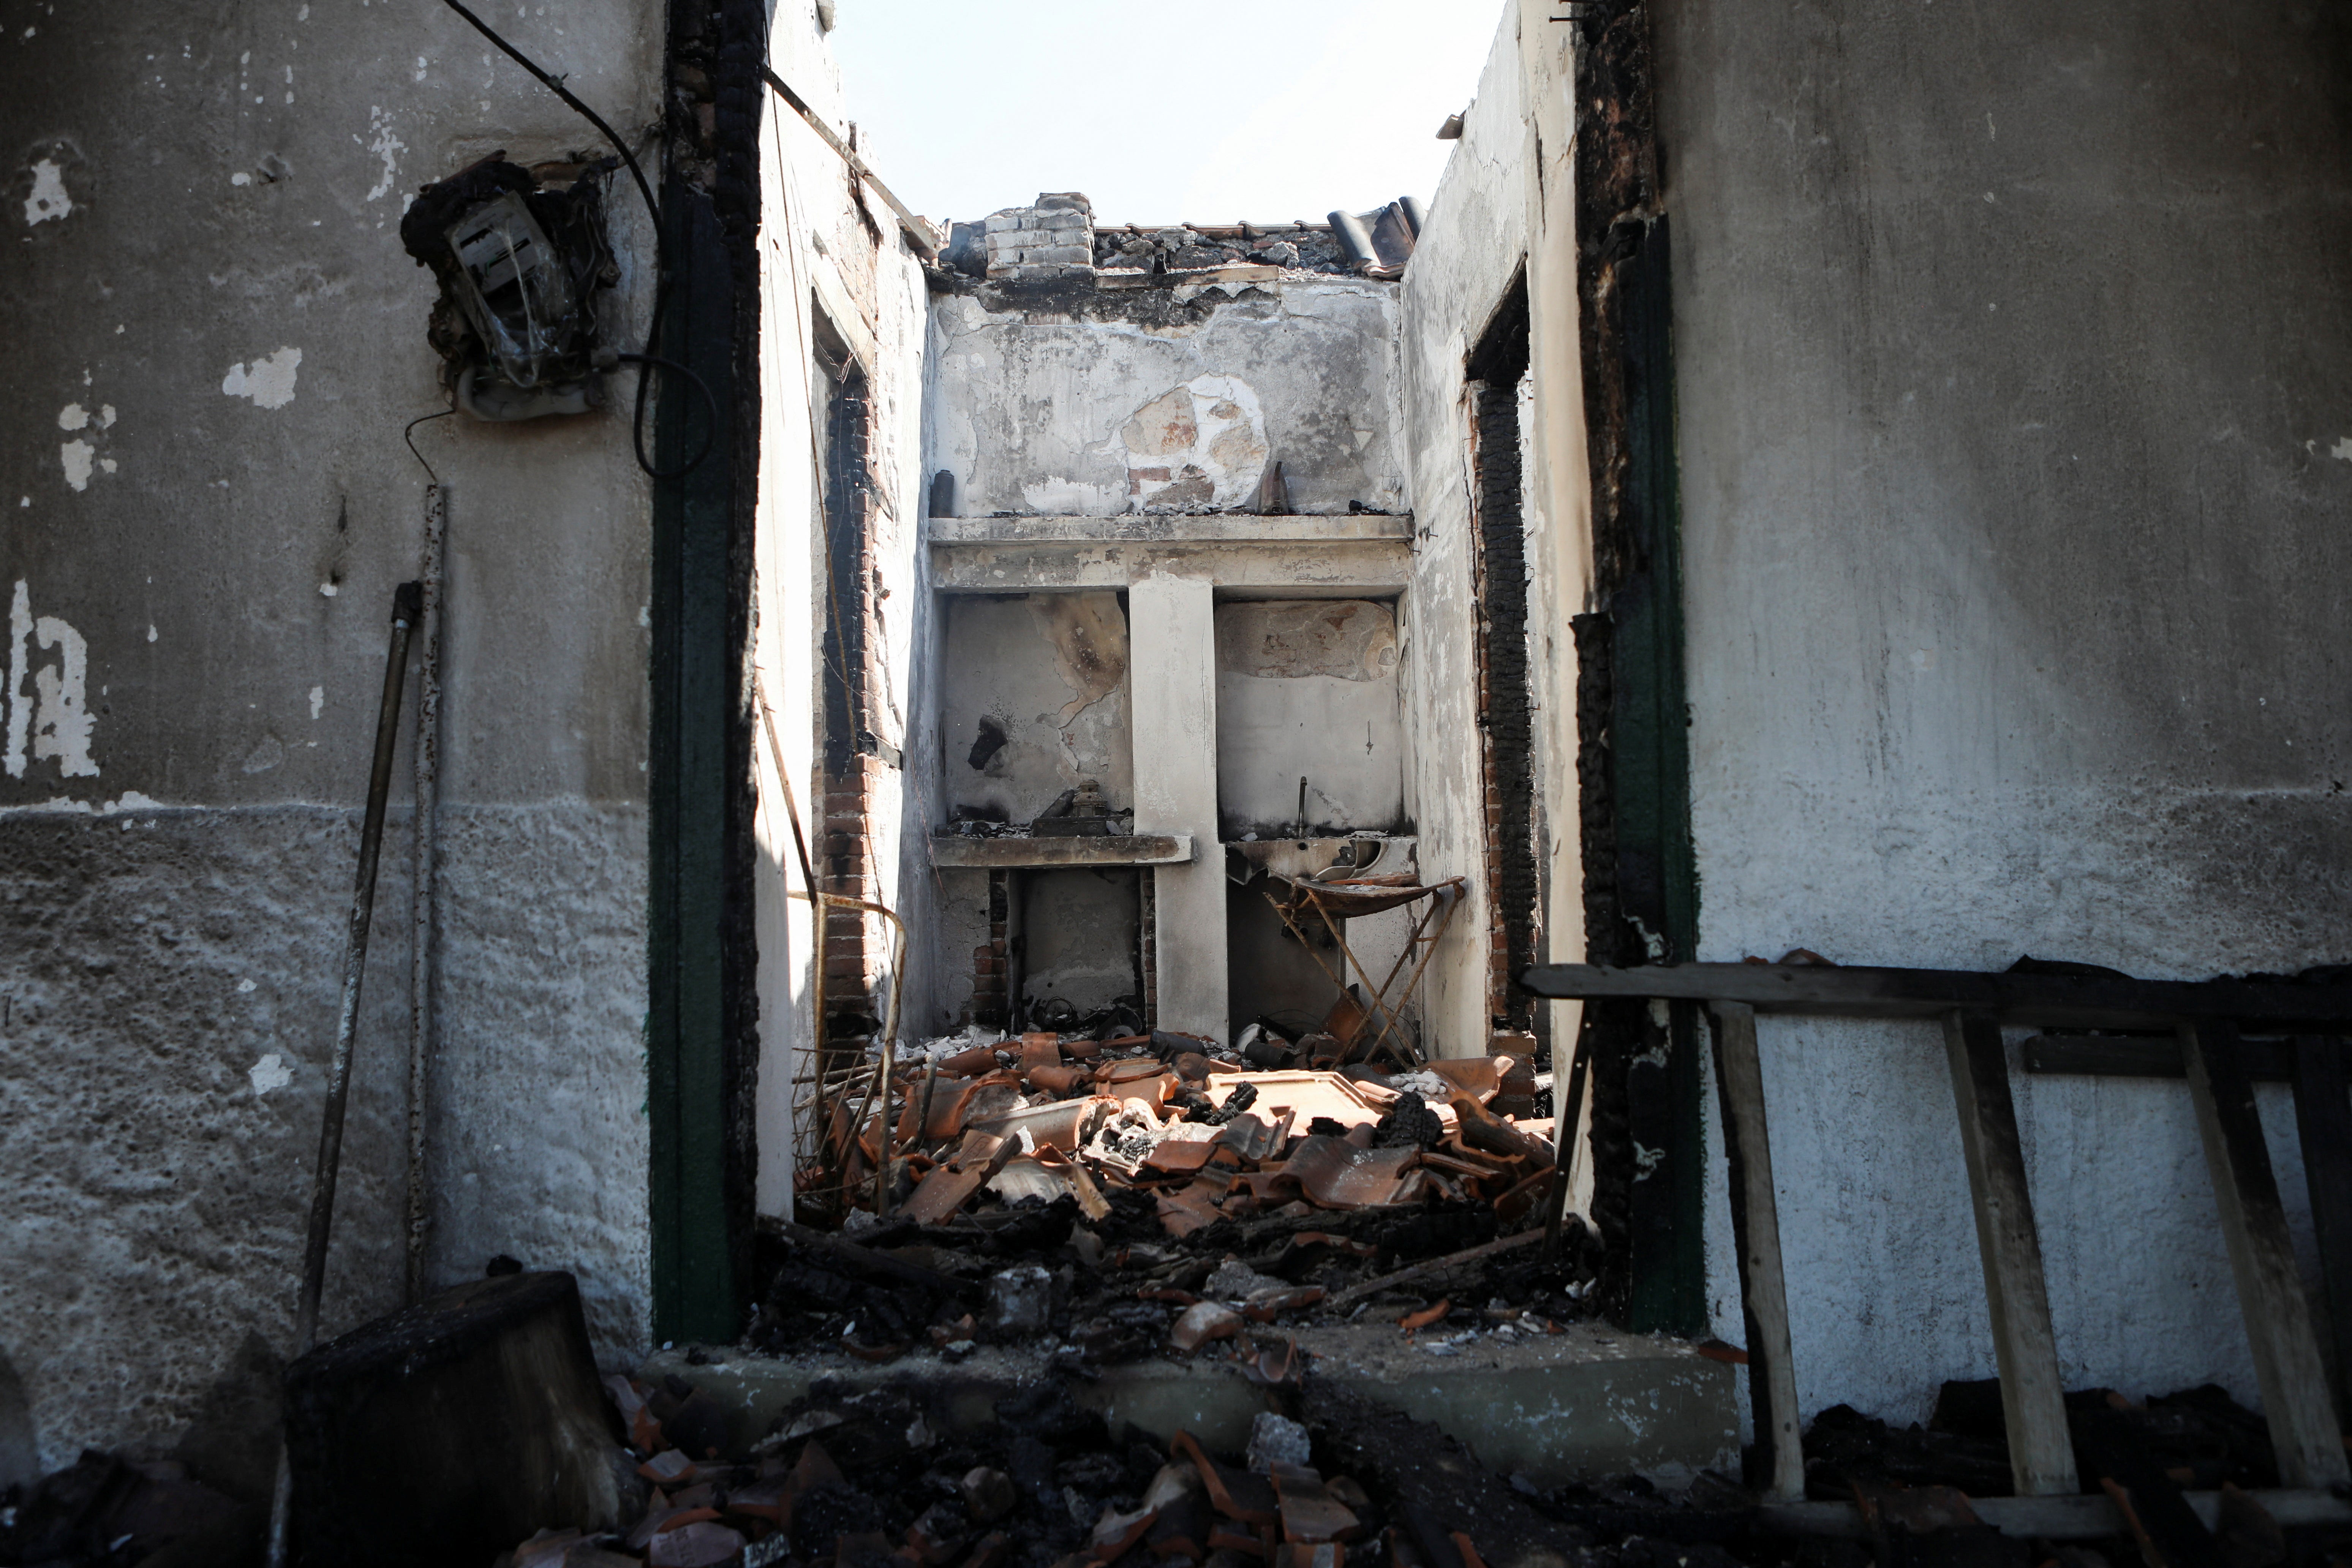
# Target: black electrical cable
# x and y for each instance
(411, 424)
(554, 84)
(709, 407)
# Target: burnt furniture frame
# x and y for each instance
(2206, 1017)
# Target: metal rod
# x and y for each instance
(425, 872)
(918, 235)
(407, 607)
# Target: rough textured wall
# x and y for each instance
(821, 249)
(218, 340)
(1460, 270)
(1310, 735)
(2013, 362)
(1095, 402)
(1032, 699)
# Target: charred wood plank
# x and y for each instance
(2049, 1001)
(2287, 1365)
(1756, 1219)
(2323, 1115)
(2033, 1405)
(2145, 1056)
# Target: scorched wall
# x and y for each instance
(216, 341)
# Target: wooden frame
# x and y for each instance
(1973, 1006)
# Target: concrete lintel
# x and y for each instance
(1374, 568)
(1013, 854)
(1223, 528)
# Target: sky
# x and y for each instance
(1266, 111)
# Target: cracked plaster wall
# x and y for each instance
(1093, 402)
(219, 341)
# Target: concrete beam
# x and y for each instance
(1022, 854)
(1172, 672)
(1588, 1402)
(1295, 556)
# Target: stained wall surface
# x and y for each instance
(1472, 247)
(1076, 401)
(2014, 371)
(216, 343)
(833, 278)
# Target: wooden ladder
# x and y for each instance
(1973, 1007)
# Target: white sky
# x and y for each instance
(1269, 110)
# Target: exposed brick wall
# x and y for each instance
(991, 1001)
(1054, 238)
(1147, 930)
(856, 944)
(1514, 857)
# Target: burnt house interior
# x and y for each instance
(1637, 861)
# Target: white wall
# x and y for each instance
(2012, 538)
(1039, 404)
(815, 244)
(1469, 250)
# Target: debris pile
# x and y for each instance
(883, 1479)
(2199, 1438)
(1139, 1194)
(1296, 247)
(104, 1508)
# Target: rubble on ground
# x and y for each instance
(877, 1478)
(1151, 1192)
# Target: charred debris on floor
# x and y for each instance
(1152, 1192)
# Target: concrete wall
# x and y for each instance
(1048, 673)
(1061, 397)
(2013, 360)
(829, 272)
(218, 339)
(1469, 250)
(1095, 402)
(1307, 689)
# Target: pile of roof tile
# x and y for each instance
(1205, 1139)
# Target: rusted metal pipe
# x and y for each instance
(407, 608)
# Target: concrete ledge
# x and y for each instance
(1586, 1402)
(1170, 528)
(1043, 854)
(1288, 569)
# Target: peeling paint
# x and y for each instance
(268, 381)
(386, 146)
(48, 199)
(52, 722)
(76, 458)
(269, 1073)
(1197, 447)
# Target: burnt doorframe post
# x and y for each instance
(702, 1041)
(1641, 890)
(1514, 858)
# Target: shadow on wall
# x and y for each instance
(20, 1455)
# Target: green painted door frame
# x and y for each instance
(1657, 868)
(694, 1232)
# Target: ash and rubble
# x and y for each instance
(878, 1477)
(1142, 1193)
(1056, 236)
